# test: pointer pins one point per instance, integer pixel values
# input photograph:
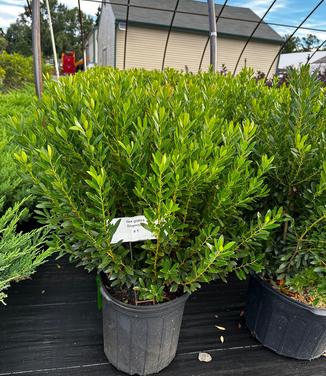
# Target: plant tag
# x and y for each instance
(131, 229)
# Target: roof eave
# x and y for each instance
(199, 31)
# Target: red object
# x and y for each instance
(68, 63)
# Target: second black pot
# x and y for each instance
(283, 324)
(141, 339)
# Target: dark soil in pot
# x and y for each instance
(283, 324)
(141, 339)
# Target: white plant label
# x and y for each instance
(131, 229)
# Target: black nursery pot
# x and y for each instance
(141, 339)
(283, 324)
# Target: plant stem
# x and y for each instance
(299, 242)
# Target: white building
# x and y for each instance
(296, 59)
(319, 64)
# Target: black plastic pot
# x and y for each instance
(283, 324)
(141, 339)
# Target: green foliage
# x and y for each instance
(309, 284)
(293, 128)
(2, 75)
(18, 70)
(15, 104)
(19, 37)
(291, 123)
(149, 143)
(20, 253)
(3, 43)
(10, 182)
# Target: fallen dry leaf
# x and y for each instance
(220, 327)
(222, 339)
(204, 357)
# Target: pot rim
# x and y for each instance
(280, 294)
(139, 308)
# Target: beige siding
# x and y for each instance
(258, 55)
(145, 48)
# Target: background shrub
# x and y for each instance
(2, 74)
(17, 68)
(17, 105)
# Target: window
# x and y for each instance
(122, 26)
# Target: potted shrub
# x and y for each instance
(286, 307)
(111, 148)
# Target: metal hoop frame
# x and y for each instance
(251, 36)
(126, 36)
(317, 49)
(169, 33)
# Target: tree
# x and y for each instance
(292, 45)
(66, 29)
(3, 43)
(97, 16)
(309, 42)
(19, 38)
(304, 44)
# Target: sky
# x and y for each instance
(10, 9)
(284, 12)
